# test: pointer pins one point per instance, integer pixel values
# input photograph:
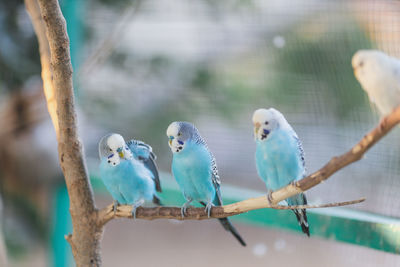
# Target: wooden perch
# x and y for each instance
(125, 211)
(334, 165)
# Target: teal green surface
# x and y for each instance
(61, 225)
(73, 12)
(341, 224)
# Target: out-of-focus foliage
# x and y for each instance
(19, 58)
(323, 55)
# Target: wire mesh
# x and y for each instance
(214, 63)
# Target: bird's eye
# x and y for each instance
(179, 134)
(361, 63)
(126, 148)
(110, 149)
(266, 123)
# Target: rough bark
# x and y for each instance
(57, 80)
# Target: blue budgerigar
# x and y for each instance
(128, 171)
(279, 157)
(195, 170)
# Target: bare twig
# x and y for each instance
(335, 164)
(319, 206)
(57, 79)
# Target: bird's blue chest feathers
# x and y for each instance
(278, 159)
(192, 170)
(127, 182)
(112, 175)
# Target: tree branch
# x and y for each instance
(334, 165)
(57, 80)
(32, 7)
(125, 211)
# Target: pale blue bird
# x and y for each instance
(279, 157)
(128, 171)
(195, 170)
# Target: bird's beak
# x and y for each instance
(355, 70)
(170, 140)
(257, 126)
(120, 153)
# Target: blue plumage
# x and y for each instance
(195, 170)
(129, 173)
(192, 171)
(279, 157)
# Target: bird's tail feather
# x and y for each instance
(301, 214)
(228, 226)
(156, 200)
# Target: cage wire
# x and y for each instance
(215, 63)
(295, 57)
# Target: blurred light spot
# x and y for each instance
(172, 221)
(280, 244)
(260, 249)
(279, 41)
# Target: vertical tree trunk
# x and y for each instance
(57, 80)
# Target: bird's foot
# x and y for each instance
(115, 206)
(269, 197)
(208, 208)
(184, 207)
(136, 205)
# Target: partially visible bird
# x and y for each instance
(195, 170)
(279, 157)
(379, 76)
(128, 171)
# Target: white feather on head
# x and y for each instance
(173, 129)
(268, 119)
(115, 141)
(262, 115)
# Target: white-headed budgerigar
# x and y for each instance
(195, 170)
(128, 171)
(279, 157)
(379, 76)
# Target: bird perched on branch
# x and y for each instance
(379, 76)
(195, 170)
(279, 157)
(128, 171)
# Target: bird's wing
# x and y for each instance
(216, 180)
(144, 153)
(301, 151)
(396, 75)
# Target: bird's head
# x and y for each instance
(179, 134)
(113, 147)
(366, 64)
(265, 121)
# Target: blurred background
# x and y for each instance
(141, 64)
